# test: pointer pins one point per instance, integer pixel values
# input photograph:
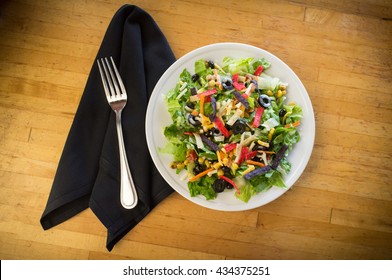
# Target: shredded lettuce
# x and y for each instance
(233, 65)
(171, 131)
(200, 67)
(285, 136)
(244, 65)
(203, 187)
(270, 123)
(261, 62)
(267, 82)
(246, 192)
(176, 148)
(174, 107)
(185, 76)
(294, 113)
(259, 184)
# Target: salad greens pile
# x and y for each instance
(231, 128)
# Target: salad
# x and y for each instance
(231, 128)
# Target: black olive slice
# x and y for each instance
(219, 185)
(238, 127)
(227, 84)
(195, 77)
(227, 173)
(211, 64)
(198, 169)
(193, 121)
(264, 100)
(282, 112)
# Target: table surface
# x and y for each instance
(340, 208)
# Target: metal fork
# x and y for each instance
(117, 98)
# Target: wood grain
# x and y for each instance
(340, 208)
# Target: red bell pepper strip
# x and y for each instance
(231, 182)
(258, 70)
(258, 115)
(219, 124)
(230, 147)
(238, 86)
(192, 156)
(207, 92)
(188, 133)
(244, 151)
(234, 78)
(251, 155)
(244, 95)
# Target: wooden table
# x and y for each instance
(340, 208)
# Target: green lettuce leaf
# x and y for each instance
(288, 136)
(260, 183)
(262, 62)
(185, 76)
(266, 181)
(200, 67)
(175, 147)
(276, 179)
(267, 82)
(174, 108)
(246, 192)
(243, 65)
(203, 186)
(233, 65)
(294, 113)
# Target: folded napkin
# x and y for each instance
(89, 170)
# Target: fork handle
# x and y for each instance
(128, 194)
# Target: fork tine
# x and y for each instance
(113, 78)
(123, 91)
(105, 84)
(108, 79)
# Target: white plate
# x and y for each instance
(157, 118)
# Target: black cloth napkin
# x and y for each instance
(89, 170)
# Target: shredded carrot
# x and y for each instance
(201, 174)
(294, 124)
(220, 86)
(202, 97)
(195, 113)
(255, 163)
